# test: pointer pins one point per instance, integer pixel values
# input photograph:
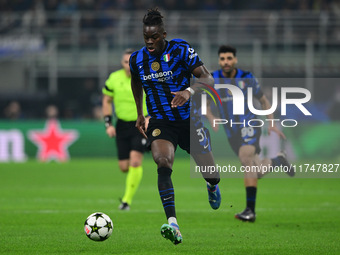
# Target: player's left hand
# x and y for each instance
(181, 97)
(147, 119)
(277, 131)
(140, 125)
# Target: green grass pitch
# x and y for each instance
(43, 207)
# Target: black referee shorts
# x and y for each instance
(128, 139)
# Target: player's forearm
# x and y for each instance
(208, 79)
(204, 76)
(107, 109)
(106, 106)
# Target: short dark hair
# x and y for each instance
(227, 48)
(153, 18)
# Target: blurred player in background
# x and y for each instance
(164, 68)
(244, 139)
(130, 143)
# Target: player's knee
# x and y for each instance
(135, 163)
(246, 160)
(163, 162)
(251, 176)
(124, 170)
(124, 167)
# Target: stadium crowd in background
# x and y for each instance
(69, 6)
(38, 14)
(83, 100)
(13, 111)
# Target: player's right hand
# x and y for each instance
(181, 97)
(111, 131)
(140, 125)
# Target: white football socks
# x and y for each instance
(172, 220)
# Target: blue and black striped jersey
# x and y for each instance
(163, 74)
(243, 80)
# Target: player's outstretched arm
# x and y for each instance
(137, 91)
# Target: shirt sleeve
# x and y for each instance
(133, 64)
(108, 88)
(189, 56)
(254, 83)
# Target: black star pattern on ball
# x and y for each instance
(108, 225)
(95, 228)
(97, 215)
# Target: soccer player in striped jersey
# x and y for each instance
(130, 143)
(244, 139)
(164, 69)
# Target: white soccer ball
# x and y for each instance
(98, 226)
